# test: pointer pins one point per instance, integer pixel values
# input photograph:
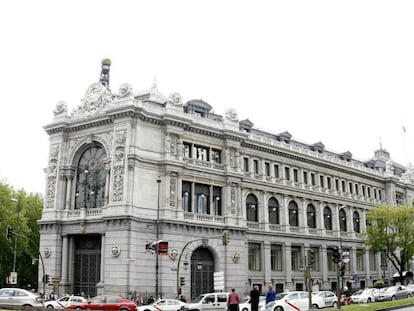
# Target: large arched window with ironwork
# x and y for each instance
(251, 208)
(90, 178)
(293, 214)
(342, 220)
(327, 218)
(311, 216)
(355, 219)
(273, 207)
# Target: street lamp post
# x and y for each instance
(157, 239)
(17, 229)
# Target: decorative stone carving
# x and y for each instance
(120, 138)
(125, 91)
(51, 183)
(47, 252)
(231, 114)
(95, 99)
(61, 109)
(235, 257)
(233, 200)
(173, 254)
(173, 182)
(115, 251)
(119, 170)
(54, 152)
(175, 99)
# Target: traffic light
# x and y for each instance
(336, 256)
(9, 233)
(342, 269)
(311, 257)
(226, 237)
(182, 281)
(45, 278)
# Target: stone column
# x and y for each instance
(107, 182)
(284, 214)
(302, 211)
(320, 223)
(267, 265)
(65, 260)
(324, 256)
(69, 179)
(288, 265)
(101, 284)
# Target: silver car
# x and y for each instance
(394, 292)
(20, 297)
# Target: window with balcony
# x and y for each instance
(342, 220)
(201, 153)
(186, 196)
(217, 201)
(273, 206)
(311, 216)
(216, 156)
(202, 198)
(255, 258)
(91, 178)
(187, 150)
(293, 214)
(276, 257)
(327, 218)
(251, 208)
(356, 221)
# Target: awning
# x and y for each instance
(405, 274)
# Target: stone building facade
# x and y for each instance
(128, 169)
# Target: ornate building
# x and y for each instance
(128, 169)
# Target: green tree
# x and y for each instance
(391, 230)
(22, 216)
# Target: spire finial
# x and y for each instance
(104, 79)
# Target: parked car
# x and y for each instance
(210, 301)
(163, 305)
(289, 301)
(410, 287)
(105, 302)
(244, 304)
(20, 297)
(324, 299)
(64, 302)
(394, 292)
(363, 296)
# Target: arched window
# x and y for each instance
(342, 220)
(251, 208)
(90, 178)
(293, 214)
(311, 216)
(355, 218)
(273, 206)
(327, 218)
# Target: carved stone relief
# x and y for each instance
(51, 183)
(233, 200)
(173, 191)
(119, 168)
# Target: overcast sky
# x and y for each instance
(339, 72)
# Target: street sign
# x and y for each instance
(345, 256)
(13, 277)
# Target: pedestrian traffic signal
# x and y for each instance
(226, 237)
(336, 256)
(182, 281)
(9, 233)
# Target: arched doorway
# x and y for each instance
(202, 272)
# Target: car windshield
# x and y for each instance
(281, 296)
(358, 292)
(198, 299)
(245, 299)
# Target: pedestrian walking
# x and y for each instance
(233, 301)
(270, 295)
(254, 298)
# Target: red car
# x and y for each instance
(105, 303)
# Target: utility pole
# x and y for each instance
(157, 239)
(17, 230)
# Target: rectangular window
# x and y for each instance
(256, 166)
(267, 169)
(360, 255)
(295, 175)
(254, 257)
(343, 186)
(277, 174)
(375, 193)
(379, 194)
(187, 150)
(217, 201)
(351, 188)
(313, 181)
(305, 178)
(276, 257)
(369, 192)
(246, 164)
(215, 156)
(287, 173)
(331, 264)
(201, 153)
(202, 199)
(372, 261)
(186, 196)
(321, 181)
(399, 198)
(336, 184)
(296, 258)
(363, 190)
(356, 189)
(316, 259)
(328, 183)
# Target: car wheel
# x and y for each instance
(28, 308)
(78, 308)
(369, 300)
(278, 308)
(49, 307)
(334, 305)
(393, 298)
(315, 306)
(123, 309)
(245, 309)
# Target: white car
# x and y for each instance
(324, 299)
(18, 297)
(296, 300)
(64, 301)
(244, 304)
(363, 296)
(163, 305)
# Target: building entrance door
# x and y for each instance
(87, 265)
(202, 272)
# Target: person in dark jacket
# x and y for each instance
(254, 298)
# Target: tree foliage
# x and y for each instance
(21, 211)
(390, 231)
